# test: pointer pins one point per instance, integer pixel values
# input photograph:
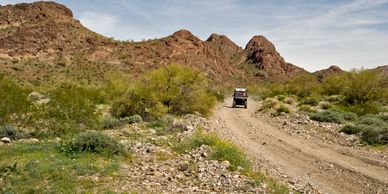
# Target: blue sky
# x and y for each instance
(310, 34)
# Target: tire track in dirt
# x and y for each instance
(306, 165)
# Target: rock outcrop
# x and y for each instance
(322, 75)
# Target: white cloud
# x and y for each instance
(102, 23)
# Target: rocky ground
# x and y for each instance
(155, 167)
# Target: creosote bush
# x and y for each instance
(92, 142)
(12, 132)
(221, 150)
(307, 108)
(283, 109)
(174, 89)
(133, 119)
(110, 122)
(330, 116)
(312, 101)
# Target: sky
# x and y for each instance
(310, 34)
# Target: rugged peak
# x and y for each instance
(323, 74)
(185, 34)
(335, 68)
(216, 37)
(224, 41)
(51, 9)
(259, 41)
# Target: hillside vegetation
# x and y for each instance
(357, 99)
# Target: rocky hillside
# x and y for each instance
(323, 74)
(42, 39)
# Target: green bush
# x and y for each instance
(14, 103)
(383, 117)
(313, 101)
(268, 104)
(362, 109)
(198, 139)
(110, 122)
(351, 129)
(93, 142)
(349, 116)
(371, 120)
(174, 89)
(227, 151)
(329, 116)
(303, 86)
(334, 98)
(290, 101)
(281, 97)
(307, 108)
(375, 135)
(12, 132)
(325, 105)
(71, 107)
(283, 109)
(133, 119)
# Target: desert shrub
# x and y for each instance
(268, 104)
(14, 103)
(383, 117)
(363, 109)
(375, 135)
(325, 105)
(133, 119)
(281, 97)
(334, 98)
(12, 132)
(349, 116)
(351, 129)
(334, 85)
(363, 86)
(198, 139)
(313, 101)
(371, 120)
(174, 89)
(227, 151)
(283, 109)
(329, 116)
(110, 122)
(289, 100)
(303, 86)
(116, 84)
(71, 107)
(92, 142)
(307, 108)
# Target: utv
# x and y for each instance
(240, 97)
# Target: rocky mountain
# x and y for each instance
(323, 74)
(42, 41)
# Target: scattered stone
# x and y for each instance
(225, 164)
(6, 140)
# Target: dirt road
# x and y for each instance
(305, 165)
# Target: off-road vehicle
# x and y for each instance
(240, 97)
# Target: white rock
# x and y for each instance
(225, 163)
(6, 140)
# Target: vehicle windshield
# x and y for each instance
(240, 93)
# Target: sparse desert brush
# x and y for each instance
(92, 142)
(307, 108)
(133, 119)
(325, 105)
(313, 101)
(283, 108)
(174, 89)
(12, 132)
(290, 100)
(110, 122)
(14, 102)
(330, 116)
(269, 103)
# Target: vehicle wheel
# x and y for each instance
(245, 104)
